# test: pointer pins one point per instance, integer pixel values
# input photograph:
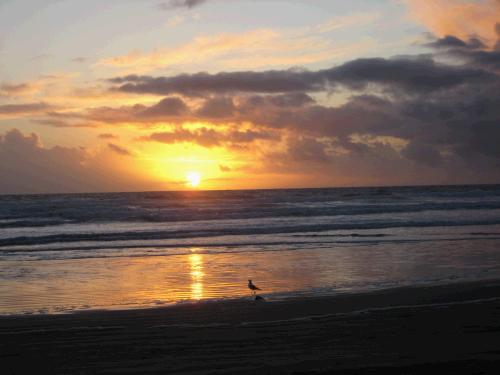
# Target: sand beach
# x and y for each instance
(448, 328)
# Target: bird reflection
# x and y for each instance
(196, 265)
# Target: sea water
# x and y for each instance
(63, 253)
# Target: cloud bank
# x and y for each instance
(412, 119)
(26, 166)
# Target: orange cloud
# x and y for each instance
(203, 47)
(251, 49)
(458, 17)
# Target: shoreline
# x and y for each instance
(417, 326)
(269, 298)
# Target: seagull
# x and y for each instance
(252, 287)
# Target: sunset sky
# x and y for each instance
(135, 95)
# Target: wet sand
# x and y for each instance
(453, 328)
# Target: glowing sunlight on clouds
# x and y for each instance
(325, 93)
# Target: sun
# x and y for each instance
(193, 179)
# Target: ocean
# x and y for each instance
(70, 252)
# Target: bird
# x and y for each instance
(252, 287)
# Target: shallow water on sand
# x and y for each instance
(63, 285)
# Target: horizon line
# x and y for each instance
(2, 195)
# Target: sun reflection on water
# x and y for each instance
(196, 265)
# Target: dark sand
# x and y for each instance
(451, 329)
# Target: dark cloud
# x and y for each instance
(486, 59)
(463, 121)
(204, 137)
(360, 114)
(417, 74)
(107, 136)
(442, 130)
(201, 84)
(472, 51)
(424, 153)
(308, 149)
(110, 115)
(210, 137)
(248, 136)
(283, 100)
(168, 107)
(452, 42)
(175, 110)
(119, 149)
(224, 168)
(60, 123)
(79, 59)
(65, 115)
(217, 108)
(376, 163)
(25, 108)
(323, 163)
(421, 75)
(7, 89)
(172, 4)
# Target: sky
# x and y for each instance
(143, 95)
